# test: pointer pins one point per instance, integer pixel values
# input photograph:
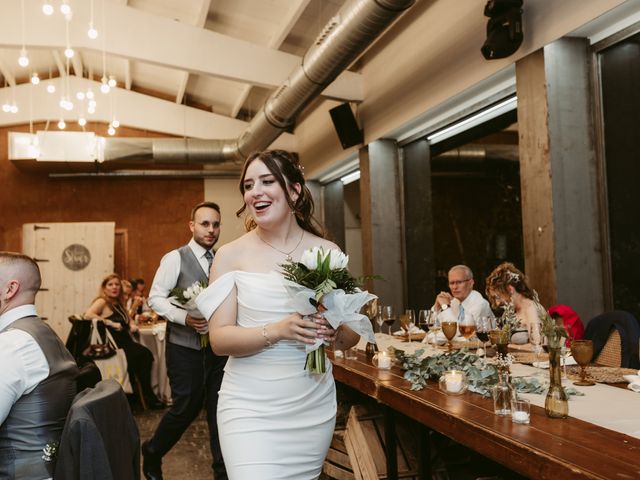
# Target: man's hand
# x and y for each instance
(443, 298)
(200, 325)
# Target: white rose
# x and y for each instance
(338, 259)
(310, 258)
(188, 293)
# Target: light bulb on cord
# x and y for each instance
(111, 131)
(35, 79)
(68, 52)
(51, 88)
(23, 59)
(92, 104)
(112, 81)
(82, 121)
(61, 124)
(104, 88)
(92, 33)
(91, 110)
(90, 94)
(65, 8)
(6, 108)
(47, 8)
(115, 123)
(80, 96)
(14, 108)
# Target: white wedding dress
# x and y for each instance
(275, 420)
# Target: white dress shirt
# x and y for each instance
(23, 362)
(166, 279)
(475, 304)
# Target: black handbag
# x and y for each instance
(97, 348)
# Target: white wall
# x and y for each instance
(225, 193)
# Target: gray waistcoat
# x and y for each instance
(37, 418)
(190, 273)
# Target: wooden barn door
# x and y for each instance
(73, 260)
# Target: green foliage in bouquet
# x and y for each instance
(185, 295)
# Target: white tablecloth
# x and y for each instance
(154, 339)
(603, 405)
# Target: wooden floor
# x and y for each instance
(191, 456)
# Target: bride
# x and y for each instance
(275, 419)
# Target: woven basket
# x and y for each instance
(611, 353)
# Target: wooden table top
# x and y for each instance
(547, 448)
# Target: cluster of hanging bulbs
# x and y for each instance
(107, 83)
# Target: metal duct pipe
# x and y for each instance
(343, 39)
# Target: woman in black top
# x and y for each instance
(109, 308)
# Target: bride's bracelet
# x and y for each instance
(265, 335)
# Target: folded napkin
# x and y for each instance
(635, 386)
(564, 361)
(412, 330)
(159, 329)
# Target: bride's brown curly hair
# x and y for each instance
(503, 275)
(285, 167)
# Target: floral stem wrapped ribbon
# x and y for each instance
(320, 282)
(186, 298)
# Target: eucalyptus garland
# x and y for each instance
(481, 376)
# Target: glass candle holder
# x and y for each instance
(453, 382)
(383, 360)
(520, 410)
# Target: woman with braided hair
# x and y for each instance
(506, 284)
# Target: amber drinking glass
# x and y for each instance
(449, 329)
(582, 351)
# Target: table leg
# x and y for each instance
(424, 452)
(390, 443)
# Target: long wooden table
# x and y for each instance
(547, 448)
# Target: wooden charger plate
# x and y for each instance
(415, 337)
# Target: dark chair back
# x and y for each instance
(599, 329)
(100, 440)
(88, 376)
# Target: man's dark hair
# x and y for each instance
(213, 205)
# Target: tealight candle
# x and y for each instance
(453, 381)
(384, 360)
(520, 409)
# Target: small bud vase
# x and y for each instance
(556, 404)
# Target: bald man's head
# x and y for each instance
(19, 280)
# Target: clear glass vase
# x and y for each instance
(503, 392)
(556, 404)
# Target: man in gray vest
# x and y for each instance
(38, 375)
(195, 372)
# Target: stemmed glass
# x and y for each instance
(434, 327)
(379, 318)
(424, 317)
(483, 327)
(449, 329)
(467, 326)
(582, 351)
(409, 322)
(388, 317)
(535, 338)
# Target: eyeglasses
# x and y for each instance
(209, 224)
(455, 283)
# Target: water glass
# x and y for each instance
(520, 411)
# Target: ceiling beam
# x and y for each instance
(161, 41)
(132, 109)
(201, 19)
(6, 73)
(275, 41)
(62, 70)
(78, 67)
(127, 74)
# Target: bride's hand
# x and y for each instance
(299, 328)
(325, 330)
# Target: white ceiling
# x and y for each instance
(224, 57)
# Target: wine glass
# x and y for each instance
(388, 317)
(582, 351)
(434, 327)
(467, 326)
(535, 337)
(483, 327)
(379, 318)
(424, 317)
(449, 328)
(410, 321)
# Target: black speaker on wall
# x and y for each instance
(346, 126)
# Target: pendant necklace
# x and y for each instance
(286, 254)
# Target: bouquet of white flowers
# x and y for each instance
(320, 282)
(186, 298)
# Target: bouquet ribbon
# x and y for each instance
(339, 308)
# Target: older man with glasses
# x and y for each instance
(463, 298)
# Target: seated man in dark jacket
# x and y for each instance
(37, 379)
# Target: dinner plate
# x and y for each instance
(632, 378)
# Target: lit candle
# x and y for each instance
(520, 417)
(453, 382)
(384, 360)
